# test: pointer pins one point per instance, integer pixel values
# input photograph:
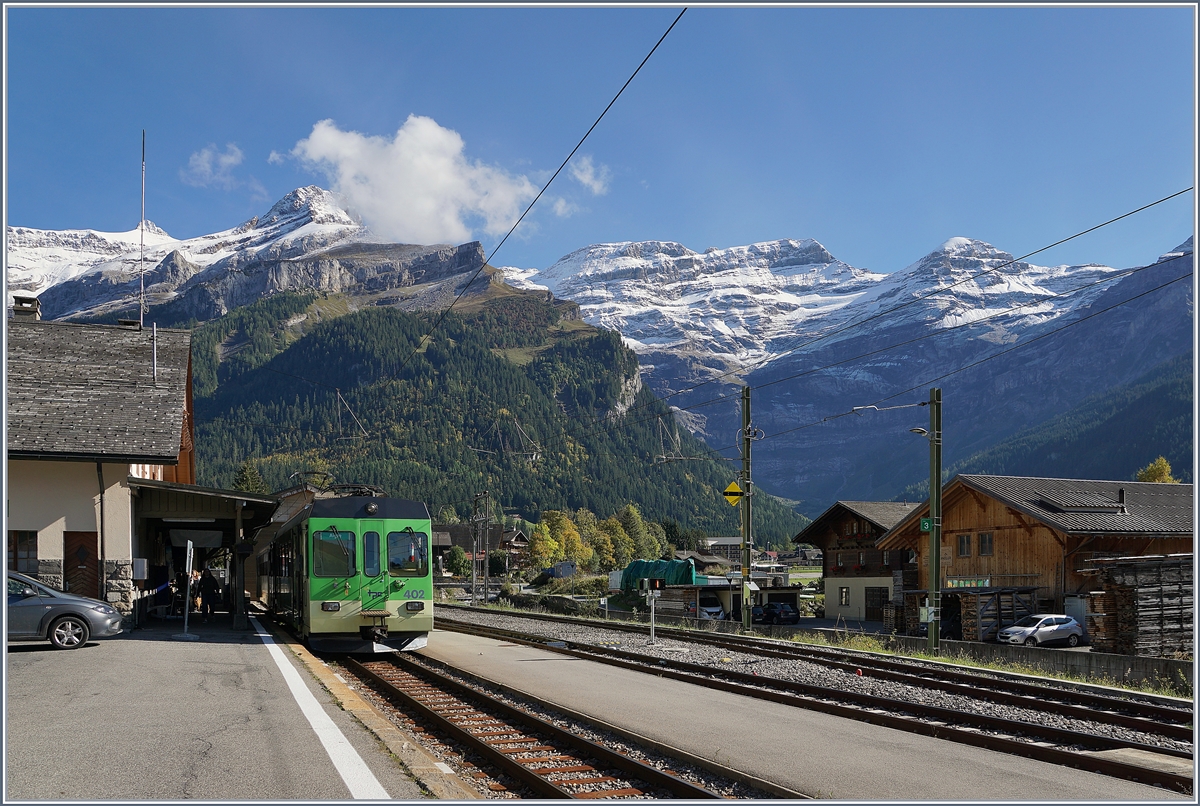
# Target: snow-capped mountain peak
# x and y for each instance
(307, 204)
(743, 306)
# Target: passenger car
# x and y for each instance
(710, 608)
(757, 615)
(67, 621)
(780, 613)
(1043, 628)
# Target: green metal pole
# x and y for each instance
(935, 514)
(747, 538)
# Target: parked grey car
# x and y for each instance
(1043, 628)
(39, 613)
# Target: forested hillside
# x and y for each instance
(511, 397)
(1110, 436)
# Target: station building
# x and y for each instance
(101, 461)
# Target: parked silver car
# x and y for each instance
(40, 613)
(1043, 628)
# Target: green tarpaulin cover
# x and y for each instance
(675, 572)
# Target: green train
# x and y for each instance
(352, 574)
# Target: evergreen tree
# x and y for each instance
(665, 550)
(1157, 471)
(248, 479)
(645, 545)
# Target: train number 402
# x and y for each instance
(416, 593)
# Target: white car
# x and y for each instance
(1043, 628)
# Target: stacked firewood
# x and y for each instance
(1146, 607)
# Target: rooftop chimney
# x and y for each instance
(1121, 500)
(27, 308)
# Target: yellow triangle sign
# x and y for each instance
(733, 494)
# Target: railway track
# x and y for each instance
(1128, 710)
(1093, 750)
(524, 755)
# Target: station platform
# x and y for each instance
(143, 716)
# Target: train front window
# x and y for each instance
(333, 553)
(371, 554)
(408, 554)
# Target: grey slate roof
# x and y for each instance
(884, 514)
(1091, 507)
(88, 392)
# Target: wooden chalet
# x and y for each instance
(1015, 545)
(859, 577)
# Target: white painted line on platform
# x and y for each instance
(359, 779)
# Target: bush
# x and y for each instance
(577, 585)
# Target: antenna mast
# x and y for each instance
(142, 241)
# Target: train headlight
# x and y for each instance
(331, 607)
(414, 607)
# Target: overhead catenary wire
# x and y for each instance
(928, 335)
(545, 187)
(972, 365)
(940, 290)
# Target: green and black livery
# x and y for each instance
(353, 574)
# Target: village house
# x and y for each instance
(859, 577)
(101, 459)
(1015, 545)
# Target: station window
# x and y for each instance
(408, 553)
(22, 551)
(964, 545)
(371, 554)
(844, 597)
(333, 553)
(985, 544)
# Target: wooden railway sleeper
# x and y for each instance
(534, 779)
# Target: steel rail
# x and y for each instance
(1025, 695)
(535, 780)
(874, 710)
(1125, 711)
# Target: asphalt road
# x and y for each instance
(804, 751)
(143, 717)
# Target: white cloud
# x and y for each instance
(593, 178)
(564, 208)
(275, 158)
(209, 168)
(417, 186)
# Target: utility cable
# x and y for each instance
(968, 366)
(849, 325)
(931, 334)
(488, 260)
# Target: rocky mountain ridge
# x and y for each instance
(305, 241)
(1011, 343)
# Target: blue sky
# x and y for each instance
(880, 132)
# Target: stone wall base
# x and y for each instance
(50, 572)
(118, 584)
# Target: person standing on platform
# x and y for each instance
(210, 592)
